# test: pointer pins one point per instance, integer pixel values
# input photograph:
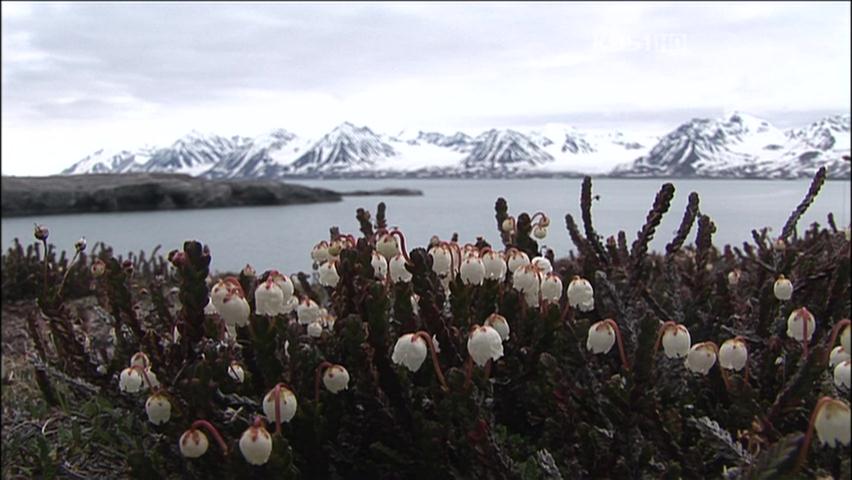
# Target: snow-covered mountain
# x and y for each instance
(742, 145)
(737, 145)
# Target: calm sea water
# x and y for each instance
(281, 237)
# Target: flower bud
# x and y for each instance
(601, 337)
(249, 271)
(256, 445)
(484, 343)
(98, 267)
(842, 374)
(328, 276)
(158, 408)
(380, 266)
(508, 225)
(676, 341)
(286, 404)
(387, 245)
(320, 253)
(472, 271)
(410, 351)
(236, 372)
(193, 443)
(140, 359)
(398, 272)
(307, 311)
(315, 329)
(515, 259)
(580, 293)
(495, 265)
(733, 354)
(41, 232)
(500, 324)
(539, 232)
(80, 245)
(796, 324)
(701, 358)
(268, 298)
(551, 288)
(832, 423)
(783, 288)
(335, 378)
(734, 277)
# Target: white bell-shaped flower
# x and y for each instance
(484, 343)
(587, 306)
(410, 351)
(539, 232)
(442, 260)
(516, 259)
(798, 320)
(580, 293)
(287, 404)
(307, 311)
(543, 264)
(130, 380)
(842, 374)
(232, 306)
(845, 340)
(495, 265)
(472, 271)
(601, 337)
(210, 309)
(268, 298)
(315, 329)
(236, 372)
(335, 378)
(158, 408)
(387, 245)
(319, 253)
(328, 276)
(701, 357)
(733, 354)
(139, 359)
(532, 297)
(526, 278)
(380, 266)
(838, 355)
(498, 322)
(284, 283)
(783, 288)
(832, 423)
(551, 288)
(291, 305)
(193, 443)
(508, 224)
(398, 272)
(256, 445)
(734, 277)
(676, 341)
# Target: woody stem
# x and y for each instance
(803, 453)
(320, 370)
(65, 277)
(425, 336)
(216, 436)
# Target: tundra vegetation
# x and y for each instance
(448, 360)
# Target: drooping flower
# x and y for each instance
(734, 277)
(315, 329)
(40, 232)
(842, 374)
(601, 337)
(508, 225)
(484, 343)
(832, 422)
(472, 271)
(236, 372)
(335, 378)
(543, 264)
(230, 301)
(701, 357)
(539, 232)
(838, 355)
(193, 443)
(526, 278)
(307, 311)
(783, 288)
(130, 380)
(796, 324)
(80, 245)
(398, 272)
(328, 276)
(158, 408)
(287, 404)
(516, 259)
(442, 260)
(387, 245)
(845, 339)
(581, 294)
(676, 341)
(320, 253)
(495, 265)
(284, 283)
(380, 265)
(139, 359)
(551, 288)
(733, 354)
(256, 444)
(269, 298)
(498, 322)
(410, 350)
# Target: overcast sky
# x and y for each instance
(77, 77)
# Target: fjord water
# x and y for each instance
(281, 237)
